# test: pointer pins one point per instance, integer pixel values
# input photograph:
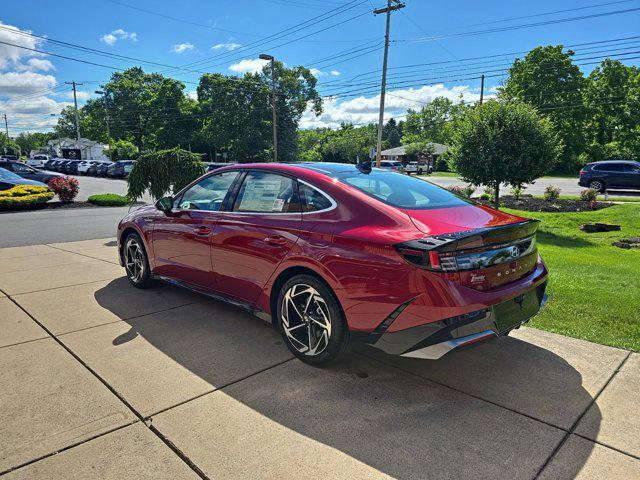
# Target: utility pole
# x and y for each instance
(264, 56)
(392, 5)
(6, 126)
(75, 101)
(106, 116)
(481, 88)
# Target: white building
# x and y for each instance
(89, 150)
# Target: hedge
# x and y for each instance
(109, 200)
(24, 196)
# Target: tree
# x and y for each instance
(415, 151)
(28, 141)
(162, 172)
(548, 79)
(392, 133)
(433, 122)
(612, 99)
(123, 150)
(500, 142)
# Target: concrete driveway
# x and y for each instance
(100, 380)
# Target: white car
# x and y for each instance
(83, 166)
(419, 168)
(391, 165)
(38, 161)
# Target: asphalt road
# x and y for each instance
(51, 226)
(568, 186)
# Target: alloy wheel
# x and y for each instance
(134, 260)
(596, 185)
(306, 320)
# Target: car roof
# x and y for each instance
(633, 162)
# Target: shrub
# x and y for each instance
(551, 193)
(462, 191)
(487, 197)
(589, 195)
(65, 187)
(109, 200)
(516, 192)
(24, 196)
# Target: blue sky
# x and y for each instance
(226, 37)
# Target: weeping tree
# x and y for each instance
(163, 171)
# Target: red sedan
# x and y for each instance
(334, 253)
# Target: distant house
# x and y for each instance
(399, 154)
(83, 149)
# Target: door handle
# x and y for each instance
(275, 240)
(202, 230)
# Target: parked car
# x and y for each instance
(83, 166)
(333, 253)
(101, 170)
(93, 167)
(391, 165)
(417, 168)
(38, 161)
(71, 167)
(120, 169)
(48, 165)
(211, 166)
(611, 175)
(9, 180)
(27, 172)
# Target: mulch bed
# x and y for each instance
(530, 204)
(61, 206)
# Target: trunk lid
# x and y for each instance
(478, 246)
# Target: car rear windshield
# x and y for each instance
(401, 190)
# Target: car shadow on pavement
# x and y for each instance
(488, 411)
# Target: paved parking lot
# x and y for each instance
(99, 380)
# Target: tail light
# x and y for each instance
(583, 171)
(472, 250)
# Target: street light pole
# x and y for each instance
(264, 56)
(390, 8)
(75, 102)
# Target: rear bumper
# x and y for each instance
(433, 340)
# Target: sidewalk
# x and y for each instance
(101, 380)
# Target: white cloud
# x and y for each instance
(118, 34)
(35, 64)
(10, 55)
(320, 73)
(80, 95)
(363, 109)
(192, 94)
(182, 47)
(230, 46)
(248, 65)
(14, 83)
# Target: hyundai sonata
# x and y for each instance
(334, 253)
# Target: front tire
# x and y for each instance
(311, 321)
(136, 262)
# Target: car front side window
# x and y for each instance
(208, 194)
(263, 192)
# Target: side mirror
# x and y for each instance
(165, 204)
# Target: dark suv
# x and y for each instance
(611, 175)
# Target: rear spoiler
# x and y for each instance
(479, 237)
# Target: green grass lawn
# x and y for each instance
(594, 287)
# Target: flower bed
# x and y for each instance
(24, 197)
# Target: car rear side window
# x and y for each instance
(400, 190)
(312, 200)
(263, 192)
(208, 193)
(609, 167)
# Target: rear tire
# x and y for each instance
(311, 321)
(597, 185)
(136, 262)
